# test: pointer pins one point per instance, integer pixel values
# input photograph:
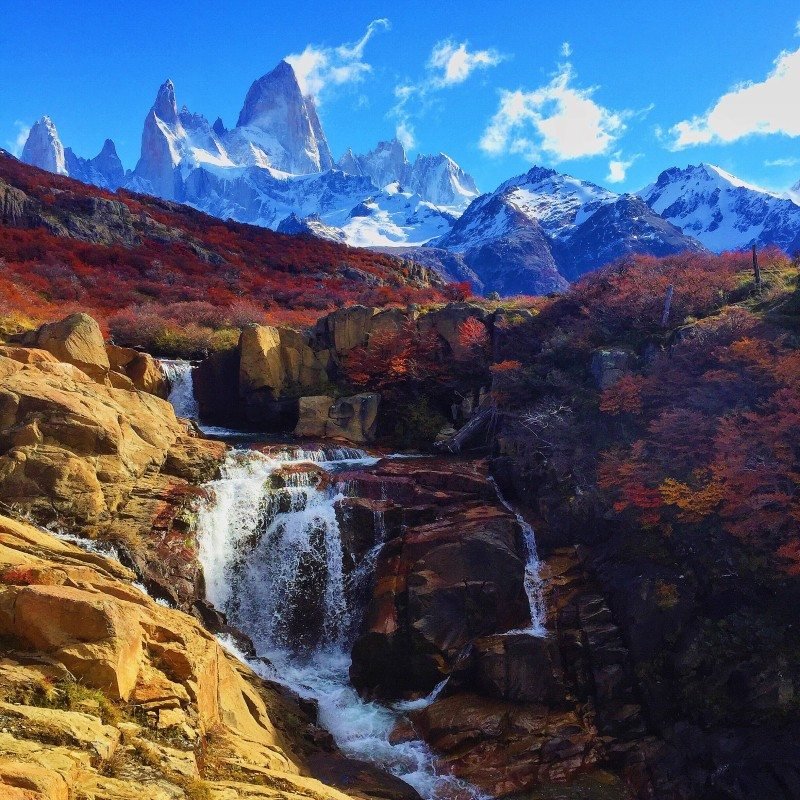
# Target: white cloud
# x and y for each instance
(405, 134)
(618, 167)
(449, 64)
(557, 119)
(782, 162)
(453, 63)
(566, 49)
(762, 107)
(16, 144)
(317, 67)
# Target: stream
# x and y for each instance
(274, 562)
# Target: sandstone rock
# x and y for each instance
(62, 606)
(147, 375)
(314, 416)
(77, 340)
(260, 365)
(27, 355)
(346, 328)
(354, 418)
(351, 418)
(71, 445)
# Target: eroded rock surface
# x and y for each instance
(107, 695)
(100, 457)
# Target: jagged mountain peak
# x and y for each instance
(279, 127)
(43, 147)
(280, 84)
(165, 106)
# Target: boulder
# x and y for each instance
(314, 416)
(76, 340)
(351, 418)
(260, 364)
(354, 418)
(161, 684)
(147, 375)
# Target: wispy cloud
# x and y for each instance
(449, 64)
(566, 49)
(559, 119)
(320, 67)
(16, 144)
(782, 162)
(618, 167)
(755, 107)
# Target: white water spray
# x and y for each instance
(272, 556)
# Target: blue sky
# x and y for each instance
(609, 91)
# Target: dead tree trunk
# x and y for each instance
(667, 306)
(756, 270)
(477, 426)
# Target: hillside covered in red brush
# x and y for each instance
(171, 278)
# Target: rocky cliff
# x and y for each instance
(106, 694)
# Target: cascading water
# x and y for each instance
(534, 586)
(273, 560)
(181, 393)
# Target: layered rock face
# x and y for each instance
(280, 379)
(449, 603)
(84, 442)
(107, 695)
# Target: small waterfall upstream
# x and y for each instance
(534, 585)
(181, 394)
(273, 560)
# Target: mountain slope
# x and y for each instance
(722, 211)
(539, 230)
(64, 243)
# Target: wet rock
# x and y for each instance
(504, 748)
(454, 575)
(520, 668)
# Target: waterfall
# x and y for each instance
(181, 393)
(534, 585)
(273, 560)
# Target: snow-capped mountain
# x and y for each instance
(275, 169)
(722, 211)
(44, 149)
(539, 230)
(436, 178)
(534, 233)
